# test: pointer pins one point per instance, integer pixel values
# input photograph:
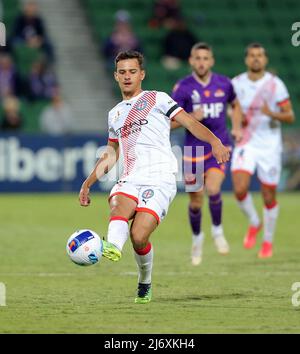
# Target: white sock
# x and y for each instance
(270, 218)
(248, 208)
(217, 230)
(144, 263)
(198, 239)
(118, 232)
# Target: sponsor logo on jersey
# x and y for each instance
(212, 110)
(131, 127)
(148, 193)
(219, 93)
(141, 106)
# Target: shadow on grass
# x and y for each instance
(207, 297)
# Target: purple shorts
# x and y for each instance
(197, 167)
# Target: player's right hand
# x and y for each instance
(84, 198)
(220, 152)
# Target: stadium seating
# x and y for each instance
(11, 8)
(24, 58)
(228, 25)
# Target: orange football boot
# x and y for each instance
(266, 250)
(250, 238)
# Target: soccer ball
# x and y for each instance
(84, 247)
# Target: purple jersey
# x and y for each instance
(190, 94)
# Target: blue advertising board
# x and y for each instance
(41, 163)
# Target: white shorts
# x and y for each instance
(150, 199)
(267, 163)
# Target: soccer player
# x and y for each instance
(139, 128)
(265, 103)
(205, 95)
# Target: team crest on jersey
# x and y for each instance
(219, 93)
(141, 105)
(148, 193)
(207, 93)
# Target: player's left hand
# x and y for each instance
(266, 110)
(237, 135)
(220, 152)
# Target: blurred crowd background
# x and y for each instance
(56, 69)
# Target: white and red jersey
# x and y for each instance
(261, 131)
(141, 126)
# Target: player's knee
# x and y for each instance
(115, 211)
(240, 191)
(212, 189)
(196, 201)
(195, 205)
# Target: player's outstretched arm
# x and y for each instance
(198, 114)
(103, 166)
(220, 152)
(175, 124)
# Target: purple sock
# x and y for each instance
(215, 207)
(195, 220)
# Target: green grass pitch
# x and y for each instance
(238, 293)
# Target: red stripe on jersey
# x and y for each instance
(113, 140)
(129, 141)
(268, 88)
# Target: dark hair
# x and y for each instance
(130, 54)
(255, 45)
(201, 45)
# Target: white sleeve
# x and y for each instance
(112, 136)
(281, 93)
(167, 105)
